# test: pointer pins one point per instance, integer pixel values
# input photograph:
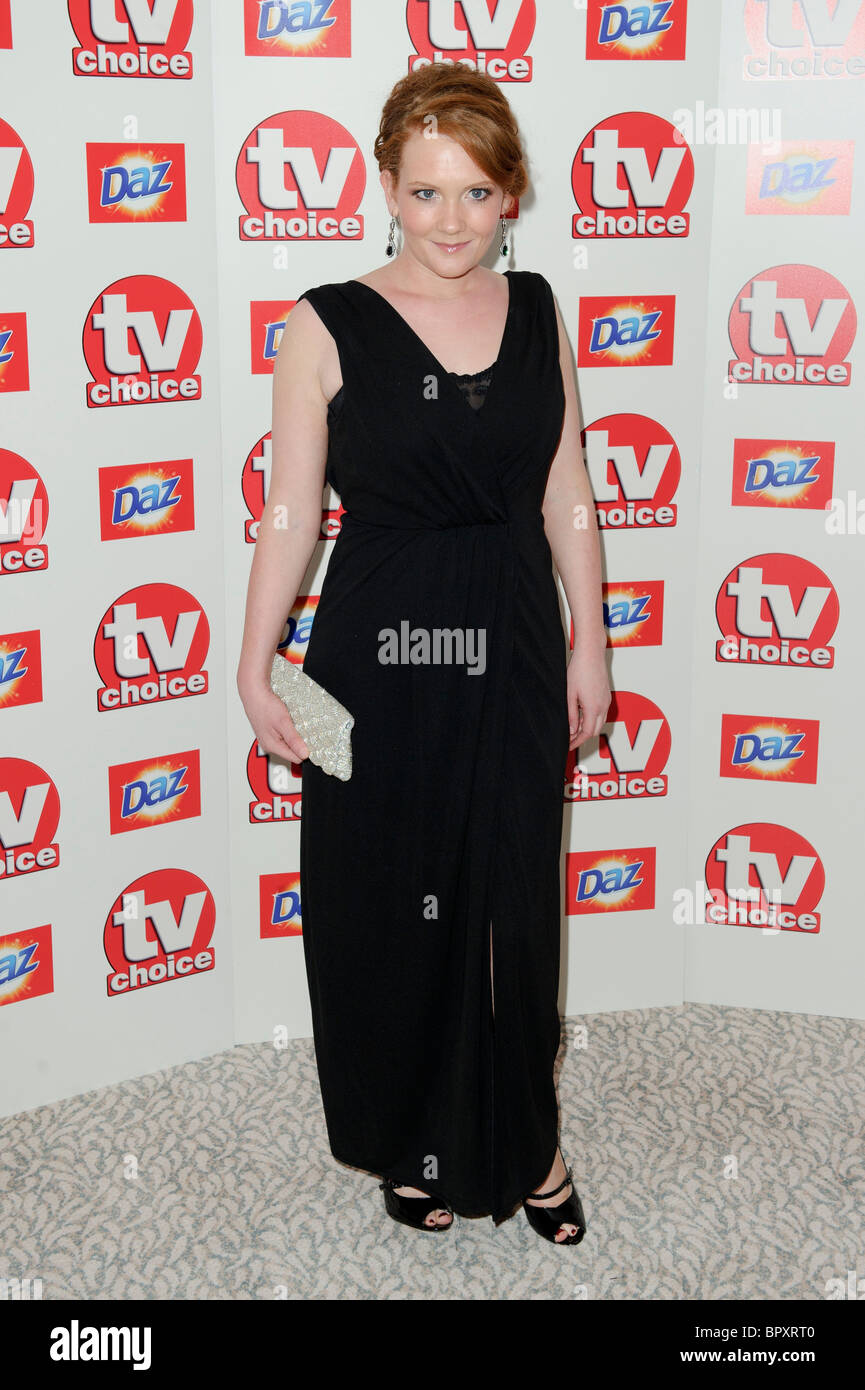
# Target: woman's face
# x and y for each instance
(444, 200)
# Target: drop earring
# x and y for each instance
(389, 249)
(504, 246)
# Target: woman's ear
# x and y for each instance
(385, 178)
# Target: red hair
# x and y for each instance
(458, 101)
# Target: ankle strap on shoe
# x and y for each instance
(542, 1196)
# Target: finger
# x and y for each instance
(294, 743)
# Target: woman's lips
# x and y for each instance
(451, 246)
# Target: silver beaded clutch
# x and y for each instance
(322, 722)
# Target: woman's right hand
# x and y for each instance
(271, 722)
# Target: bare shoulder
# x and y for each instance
(306, 354)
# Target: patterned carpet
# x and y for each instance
(214, 1180)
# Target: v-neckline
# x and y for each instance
(450, 376)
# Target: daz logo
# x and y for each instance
(633, 29)
(267, 323)
(26, 965)
(759, 748)
(764, 875)
(618, 331)
(776, 610)
(632, 177)
(142, 343)
(29, 812)
(795, 39)
(151, 645)
(136, 185)
(145, 499)
(276, 785)
(131, 38)
(792, 324)
(159, 929)
(633, 613)
(297, 28)
(20, 669)
(802, 178)
(298, 628)
(634, 467)
(16, 190)
(776, 473)
(495, 43)
(629, 757)
(154, 791)
(279, 902)
(620, 880)
(300, 177)
(14, 371)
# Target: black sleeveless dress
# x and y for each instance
(451, 823)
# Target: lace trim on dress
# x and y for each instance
(474, 385)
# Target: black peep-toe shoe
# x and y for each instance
(411, 1211)
(547, 1220)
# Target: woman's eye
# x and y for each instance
(485, 192)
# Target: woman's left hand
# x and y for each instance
(589, 693)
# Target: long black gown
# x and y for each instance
(451, 822)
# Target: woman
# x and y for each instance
(430, 885)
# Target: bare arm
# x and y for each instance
(577, 554)
(290, 523)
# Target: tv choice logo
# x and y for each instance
(151, 645)
(633, 613)
(631, 177)
(764, 875)
(626, 331)
(142, 344)
(800, 177)
(23, 516)
(159, 929)
(630, 30)
(634, 466)
(130, 183)
(26, 965)
(614, 880)
(777, 610)
(288, 29)
(628, 759)
(276, 786)
(813, 39)
(791, 325)
(16, 190)
(765, 748)
(29, 812)
(146, 499)
(300, 176)
(20, 668)
(154, 791)
(14, 352)
(255, 486)
(124, 38)
(5, 24)
(493, 39)
(279, 905)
